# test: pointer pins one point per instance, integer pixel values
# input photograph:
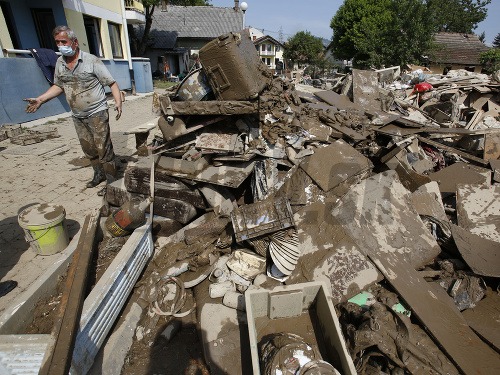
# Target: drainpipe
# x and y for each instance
(127, 41)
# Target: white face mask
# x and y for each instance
(66, 50)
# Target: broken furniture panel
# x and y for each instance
(329, 254)
(481, 254)
(141, 133)
(491, 146)
(336, 164)
(460, 173)
(260, 218)
(23, 354)
(484, 319)
(226, 175)
(365, 89)
(478, 210)
(427, 201)
(378, 215)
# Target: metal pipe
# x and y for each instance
(127, 41)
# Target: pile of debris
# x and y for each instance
(388, 195)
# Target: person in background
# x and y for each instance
(82, 77)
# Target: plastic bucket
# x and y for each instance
(45, 228)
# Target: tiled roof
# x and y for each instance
(456, 48)
(267, 37)
(203, 22)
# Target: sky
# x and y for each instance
(315, 16)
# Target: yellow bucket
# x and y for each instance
(45, 228)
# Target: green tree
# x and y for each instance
(458, 16)
(482, 37)
(496, 41)
(303, 48)
(139, 37)
(490, 60)
(381, 32)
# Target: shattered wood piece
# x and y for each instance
(408, 176)
(429, 203)
(329, 254)
(260, 218)
(317, 131)
(491, 146)
(211, 228)
(484, 319)
(177, 126)
(212, 107)
(377, 215)
(460, 173)
(219, 198)
(481, 254)
(442, 321)
(463, 154)
(495, 166)
(478, 210)
(183, 166)
(58, 355)
(331, 121)
(141, 134)
(338, 101)
(391, 154)
(219, 142)
(476, 118)
(365, 88)
(336, 164)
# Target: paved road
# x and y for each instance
(53, 171)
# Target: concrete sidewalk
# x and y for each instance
(54, 171)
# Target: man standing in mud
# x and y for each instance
(82, 77)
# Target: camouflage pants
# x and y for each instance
(95, 138)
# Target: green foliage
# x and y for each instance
(496, 41)
(458, 16)
(381, 32)
(482, 37)
(303, 48)
(490, 60)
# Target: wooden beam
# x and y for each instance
(463, 154)
(57, 360)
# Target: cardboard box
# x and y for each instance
(283, 305)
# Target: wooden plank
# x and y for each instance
(57, 360)
(211, 107)
(445, 324)
(463, 154)
(484, 319)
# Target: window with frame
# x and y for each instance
(278, 48)
(44, 24)
(93, 35)
(269, 48)
(263, 47)
(269, 61)
(116, 43)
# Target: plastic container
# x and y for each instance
(45, 228)
(303, 309)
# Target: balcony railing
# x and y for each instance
(267, 53)
(134, 5)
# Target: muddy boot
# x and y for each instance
(99, 176)
(110, 175)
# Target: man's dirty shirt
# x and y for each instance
(84, 86)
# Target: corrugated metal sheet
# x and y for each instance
(102, 306)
